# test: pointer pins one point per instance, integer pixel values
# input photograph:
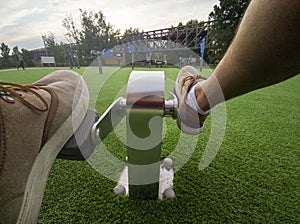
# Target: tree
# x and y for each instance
(131, 34)
(194, 22)
(60, 50)
(73, 30)
(96, 33)
(92, 33)
(225, 19)
(4, 55)
(28, 59)
(49, 40)
(15, 49)
(50, 44)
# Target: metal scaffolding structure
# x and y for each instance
(174, 38)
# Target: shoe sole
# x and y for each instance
(38, 176)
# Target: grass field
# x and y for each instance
(255, 177)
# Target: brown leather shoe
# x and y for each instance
(35, 122)
(188, 120)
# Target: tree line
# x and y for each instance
(94, 32)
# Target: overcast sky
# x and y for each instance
(23, 21)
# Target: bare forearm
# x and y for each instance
(265, 50)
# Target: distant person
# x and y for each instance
(20, 61)
(148, 61)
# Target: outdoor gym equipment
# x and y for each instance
(74, 62)
(146, 175)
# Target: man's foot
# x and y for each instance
(188, 120)
(35, 122)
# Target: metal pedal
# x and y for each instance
(80, 146)
(92, 131)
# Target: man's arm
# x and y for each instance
(265, 51)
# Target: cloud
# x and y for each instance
(25, 20)
(159, 14)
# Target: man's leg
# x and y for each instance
(35, 123)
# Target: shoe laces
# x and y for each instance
(190, 80)
(8, 92)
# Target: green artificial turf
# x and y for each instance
(254, 178)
